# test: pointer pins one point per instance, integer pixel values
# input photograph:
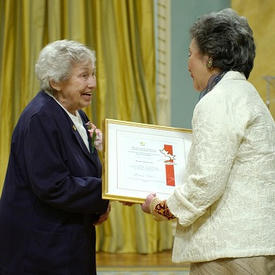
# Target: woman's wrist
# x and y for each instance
(160, 210)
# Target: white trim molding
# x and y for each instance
(163, 60)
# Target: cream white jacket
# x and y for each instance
(226, 204)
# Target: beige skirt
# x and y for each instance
(236, 266)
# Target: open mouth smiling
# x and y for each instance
(88, 94)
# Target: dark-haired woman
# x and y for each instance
(225, 207)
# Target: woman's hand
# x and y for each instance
(146, 205)
(104, 216)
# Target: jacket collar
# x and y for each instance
(234, 75)
(79, 139)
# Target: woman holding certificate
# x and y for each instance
(225, 207)
(51, 199)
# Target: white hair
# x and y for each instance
(55, 61)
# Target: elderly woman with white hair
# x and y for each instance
(51, 198)
(225, 206)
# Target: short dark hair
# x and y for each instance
(227, 38)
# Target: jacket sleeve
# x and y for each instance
(215, 142)
(50, 177)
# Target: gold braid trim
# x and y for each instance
(160, 210)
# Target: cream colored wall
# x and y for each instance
(261, 17)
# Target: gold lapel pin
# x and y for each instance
(74, 127)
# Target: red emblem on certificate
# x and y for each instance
(169, 164)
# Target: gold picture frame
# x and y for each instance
(143, 158)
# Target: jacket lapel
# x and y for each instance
(80, 141)
(91, 156)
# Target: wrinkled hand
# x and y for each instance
(146, 205)
(104, 216)
(98, 138)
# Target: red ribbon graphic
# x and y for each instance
(170, 174)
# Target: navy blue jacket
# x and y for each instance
(51, 196)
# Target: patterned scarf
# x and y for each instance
(211, 84)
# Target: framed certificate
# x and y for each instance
(143, 158)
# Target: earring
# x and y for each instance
(209, 63)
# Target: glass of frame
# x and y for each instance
(143, 158)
